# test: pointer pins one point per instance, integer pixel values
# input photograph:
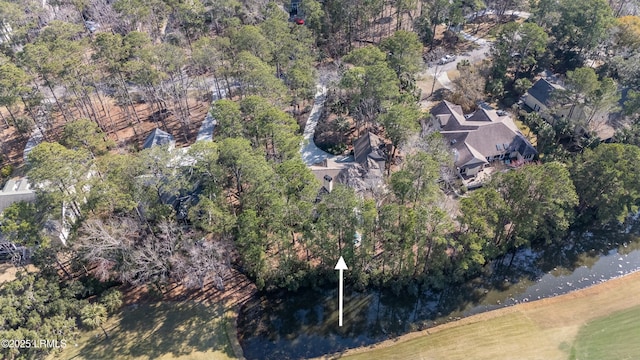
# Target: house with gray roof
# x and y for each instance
(481, 138)
(369, 147)
(539, 96)
(16, 190)
(159, 137)
(540, 99)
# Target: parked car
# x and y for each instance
(446, 59)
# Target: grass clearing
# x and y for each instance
(562, 327)
(613, 337)
(524, 129)
(164, 330)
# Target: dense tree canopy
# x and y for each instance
(246, 199)
(581, 26)
(606, 182)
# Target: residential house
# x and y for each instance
(16, 190)
(159, 137)
(540, 99)
(481, 138)
(368, 150)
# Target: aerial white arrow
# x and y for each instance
(340, 266)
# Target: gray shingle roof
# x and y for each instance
(542, 91)
(483, 134)
(368, 146)
(490, 141)
(158, 137)
(451, 117)
(14, 191)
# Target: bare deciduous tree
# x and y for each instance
(122, 248)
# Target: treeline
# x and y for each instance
(159, 216)
(54, 66)
(40, 307)
(592, 50)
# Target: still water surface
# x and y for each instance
(304, 324)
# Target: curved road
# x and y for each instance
(474, 56)
(311, 154)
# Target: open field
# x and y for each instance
(563, 327)
(164, 330)
(612, 337)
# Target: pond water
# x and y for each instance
(304, 324)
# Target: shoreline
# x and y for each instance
(589, 291)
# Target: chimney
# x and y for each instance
(328, 183)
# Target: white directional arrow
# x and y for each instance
(340, 266)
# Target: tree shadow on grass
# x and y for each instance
(155, 330)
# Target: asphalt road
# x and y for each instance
(473, 56)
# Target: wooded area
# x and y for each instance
(246, 200)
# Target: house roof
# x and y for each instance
(14, 191)
(464, 154)
(328, 167)
(542, 91)
(447, 107)
(368, 146)
(158, 137)
(483, 114)
(451, 117)
(452, 120)
(480, 135)
(496, 139)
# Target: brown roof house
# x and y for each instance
(481, 138)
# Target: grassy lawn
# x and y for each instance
(524, 129)
(600, 322)
(164, 330)
(425, 83)
(612, 337)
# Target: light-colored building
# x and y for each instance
(16, 190)
(159, 137)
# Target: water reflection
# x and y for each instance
(305, 324)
